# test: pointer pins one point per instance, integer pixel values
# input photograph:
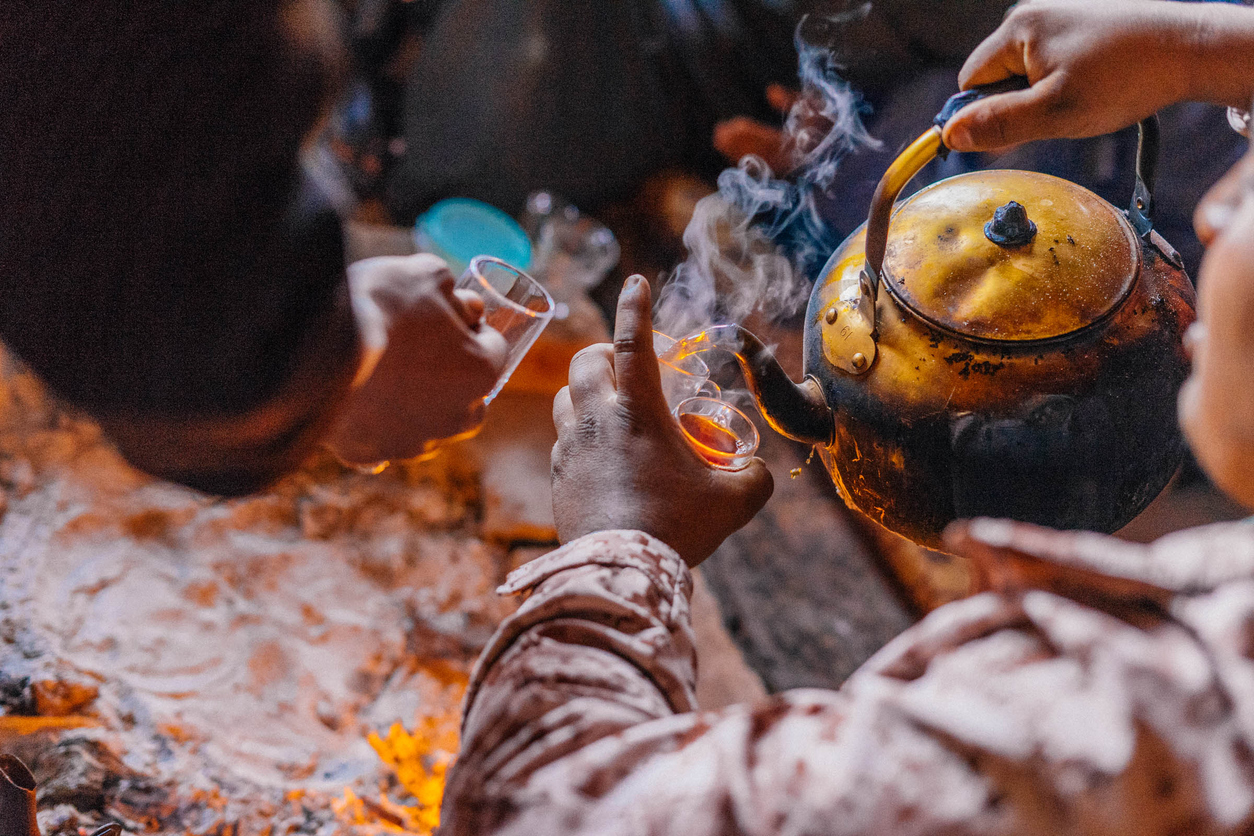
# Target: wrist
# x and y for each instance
(608, 524)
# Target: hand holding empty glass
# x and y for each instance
(517, 308)
(434, 355)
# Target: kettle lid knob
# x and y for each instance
(1010, 226)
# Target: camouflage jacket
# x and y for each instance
(1096, 686)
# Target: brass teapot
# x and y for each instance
(1023, 363)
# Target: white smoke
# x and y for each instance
(753, 245)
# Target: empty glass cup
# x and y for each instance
(572, 251)
(514, 304)
(723, 435)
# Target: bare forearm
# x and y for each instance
(1220, 69)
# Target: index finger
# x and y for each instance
(1007, 119)
(635, 365)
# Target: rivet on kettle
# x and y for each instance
(831, 315)
(859, 361)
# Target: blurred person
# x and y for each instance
(169, 267)
(1092, 686)
(587, 100)
(626, 90)
(879, 49)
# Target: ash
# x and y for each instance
(183, 664)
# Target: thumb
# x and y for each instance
(1004, 120)
(636, 373)
(493, 347)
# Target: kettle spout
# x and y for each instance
(795, 410)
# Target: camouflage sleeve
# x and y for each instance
(602, 643)
(1109, 694)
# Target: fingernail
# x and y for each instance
(633, 281)
(959, 138)
(993, 532)
(1188, 403)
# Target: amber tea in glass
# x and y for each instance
(723, 435)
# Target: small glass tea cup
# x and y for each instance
(682, 378)
(572, 251)
(514, 305)
(723, 435)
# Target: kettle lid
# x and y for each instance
(1009, 255)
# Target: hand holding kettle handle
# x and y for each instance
(922, 151)
(1141, 210)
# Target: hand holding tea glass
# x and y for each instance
(436, 352)
(621, 460)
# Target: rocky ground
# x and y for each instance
(291, 662)
(184, 664)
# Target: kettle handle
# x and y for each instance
(1141, 209)
(929, 146)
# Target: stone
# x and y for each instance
(723, 677)
(78, 771)
(62, 697)
(803, 593)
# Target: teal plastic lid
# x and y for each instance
(458, 229)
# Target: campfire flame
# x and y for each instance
(420, 761)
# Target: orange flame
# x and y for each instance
(421, 760)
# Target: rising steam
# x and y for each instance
(755, 245)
